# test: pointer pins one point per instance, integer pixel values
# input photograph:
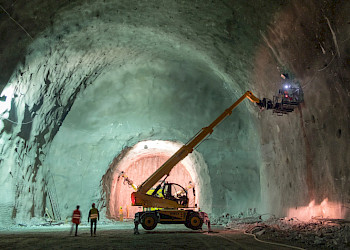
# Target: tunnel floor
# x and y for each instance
(119, 235)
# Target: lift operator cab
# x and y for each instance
(170, 198)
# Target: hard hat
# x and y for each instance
(93, 204)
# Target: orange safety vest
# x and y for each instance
(76, 217)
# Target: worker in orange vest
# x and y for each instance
(93, 216)
(76, 220)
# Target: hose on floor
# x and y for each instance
(273, 243)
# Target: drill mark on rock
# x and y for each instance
(47, 81)
(309, 161)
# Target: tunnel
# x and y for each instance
(91, 89)
(129, 169)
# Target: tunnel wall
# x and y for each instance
(305, 153)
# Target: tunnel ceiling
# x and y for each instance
(85, 80)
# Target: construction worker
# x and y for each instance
(93, 216)
(76, 220)
(191, 185)
(121, 216)
(206, 220)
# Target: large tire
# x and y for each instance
(194, 221)
(149, 221)
(186, 225)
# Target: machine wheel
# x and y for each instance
(149, 221)
(194, 221)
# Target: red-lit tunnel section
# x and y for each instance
(138, 163)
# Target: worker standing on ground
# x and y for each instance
(76, 220)
(121, 214)
(206, 220)
(93, 216)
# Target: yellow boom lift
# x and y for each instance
(175, 208)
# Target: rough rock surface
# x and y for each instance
(316, 234)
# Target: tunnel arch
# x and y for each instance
(157, 99)
(193, 168)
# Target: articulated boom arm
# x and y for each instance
(189, 146)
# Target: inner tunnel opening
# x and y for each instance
(134, 165)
